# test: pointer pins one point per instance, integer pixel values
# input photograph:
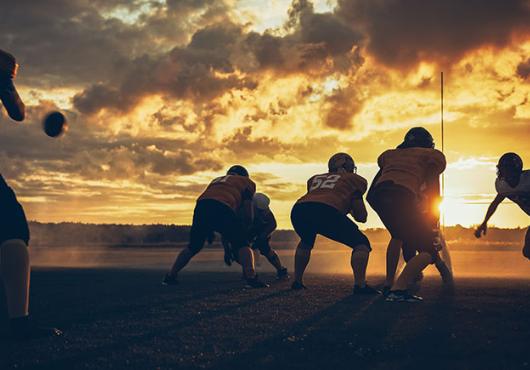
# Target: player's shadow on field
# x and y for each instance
(354, 332)
(132, 311)
(352, 327)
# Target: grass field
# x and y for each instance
(122, 318)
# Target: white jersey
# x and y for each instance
(519, 194)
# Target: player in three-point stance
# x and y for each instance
(512, 183)
(259, 235)
(14, 231)
(396, 197)
(217, 209)
(323, 210)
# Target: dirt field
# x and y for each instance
(124, 319)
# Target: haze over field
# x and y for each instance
(164, 95)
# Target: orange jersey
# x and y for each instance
(337, 190)
(410, 167)
(230, 190)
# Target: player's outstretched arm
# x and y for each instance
(8, 93)
(10, 99)
(358, 211)
(483, 228)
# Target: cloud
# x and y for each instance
(404, 33)
(224, 57)
(523, 69)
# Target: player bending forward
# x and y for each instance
(395, 196)
(323, 210)
(429, 203)
(263, 225)
(217, 209)
(512, 183)
(14, 231)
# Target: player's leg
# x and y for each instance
(230, 227)
(198, 235)
(302, 221)
(301, 260)
(411, 271)
(340, 228)
(359, 262)
(526, 248)
(443, 263)
(418, 235)
(15, 267)
(393, 252)
(246, 258)
(262, 243)
(15, 273)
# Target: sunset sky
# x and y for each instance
(162, 96)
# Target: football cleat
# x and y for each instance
(282, 274)
(402, 296)
(255, 283)
(365, 290)
(170, 280)
(298, 286)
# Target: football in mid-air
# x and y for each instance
(55, 124)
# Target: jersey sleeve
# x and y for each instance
(437, 162)
(10, 98)
(309, 182)
(249, 190)
(359, 184)
(381, 159)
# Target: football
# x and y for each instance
(55, 124)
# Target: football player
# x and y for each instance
(263, 225)
(395, 195)
(429, 202)
(217, 209)
(513, 183)
(14, 231)
(323, 210)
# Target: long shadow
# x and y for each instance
(348, 332)
(154, 298)
(126, 342)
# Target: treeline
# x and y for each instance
(70, 234)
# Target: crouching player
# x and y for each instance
(323, 210)
(512, 183)
(263, 225)
(429, 203)
(14, 231)
(395, 197)
(217, 210)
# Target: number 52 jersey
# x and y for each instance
(338, 190)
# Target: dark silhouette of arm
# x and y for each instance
(483, 228)
(358, 210)
(10, 98)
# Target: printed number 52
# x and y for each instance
(324, 182)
